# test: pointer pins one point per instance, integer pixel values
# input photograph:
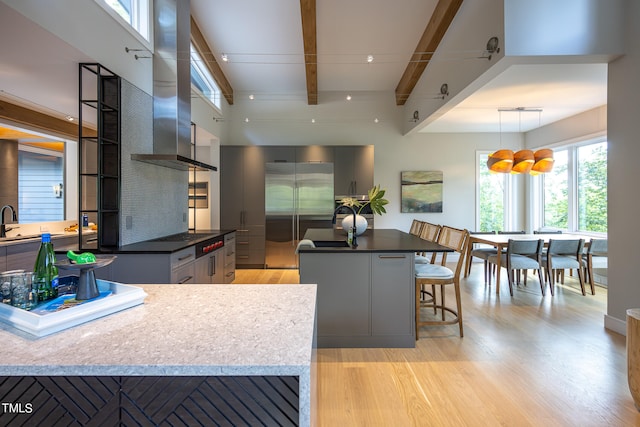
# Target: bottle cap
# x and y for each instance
(46, 237)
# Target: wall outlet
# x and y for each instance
(184, 217)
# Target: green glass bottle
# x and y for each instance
(45, 273)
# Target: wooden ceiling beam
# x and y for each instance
(42, 122)
(309, 38)
(210, 61)
(442, 17)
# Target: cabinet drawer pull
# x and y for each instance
(231, 273)
(185, 280)
(185, 257)
(391, 256)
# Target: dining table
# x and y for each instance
(501, 241)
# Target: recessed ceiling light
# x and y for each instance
(376, 120)
(225, 58)
(348, 97)
(69, 118)
(251, 97)
(313, 120)
(369, 59)
(246, 120)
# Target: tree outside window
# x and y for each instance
(491, 196)
(556, 193)
(592, 187)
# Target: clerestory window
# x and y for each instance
(134, 13)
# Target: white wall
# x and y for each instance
(623, 175)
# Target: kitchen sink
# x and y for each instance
(331, 244)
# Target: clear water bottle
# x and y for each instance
(45, 273)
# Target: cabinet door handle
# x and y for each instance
(210, 267)
(392, 256)
(185, 257)
(185, 280)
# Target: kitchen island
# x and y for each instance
(242, 354)
(366, 294)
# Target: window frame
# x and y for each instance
(198, 63)
(509, 219)
(143, 28)
(572, 191)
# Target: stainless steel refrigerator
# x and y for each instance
(297, 196)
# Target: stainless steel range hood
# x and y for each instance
(172, 88)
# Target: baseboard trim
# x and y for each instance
(615, 325)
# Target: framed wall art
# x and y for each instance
(421, 191)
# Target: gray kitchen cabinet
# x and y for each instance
(314, 154)
(278, 154)
(298, 154)
(177, 267)
(344, 291)
(22, 256)
(353, 169)
(229, 263)
(391, 272)
(209, 269)
(3, 258)
(242, 201)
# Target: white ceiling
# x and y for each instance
(263, 40)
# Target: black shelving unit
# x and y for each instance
(99, 156)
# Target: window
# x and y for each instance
(556, 193)
(202, 80)
(592, 187)
(40, 185)
(135, 13)
(574, 194)
(493, 195)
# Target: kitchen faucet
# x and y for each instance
(354, 243)
(14, 218)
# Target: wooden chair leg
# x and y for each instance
(456, 287)
(591, 281)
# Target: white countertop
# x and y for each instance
(180, 330)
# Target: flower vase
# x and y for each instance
(361, 224)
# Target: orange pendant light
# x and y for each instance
(501, 161)
(522, 161)
(543, 161)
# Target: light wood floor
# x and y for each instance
(524, 361)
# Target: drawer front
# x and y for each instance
(184, 274)
(182, 257)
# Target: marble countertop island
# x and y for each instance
(183, 330)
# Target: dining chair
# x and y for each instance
(492, 267)
(596, 256)
(522, 255)
(428, 232)
(416, 227)
(547, 231)
(438, 276)
(561, 255)
(482, 252)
